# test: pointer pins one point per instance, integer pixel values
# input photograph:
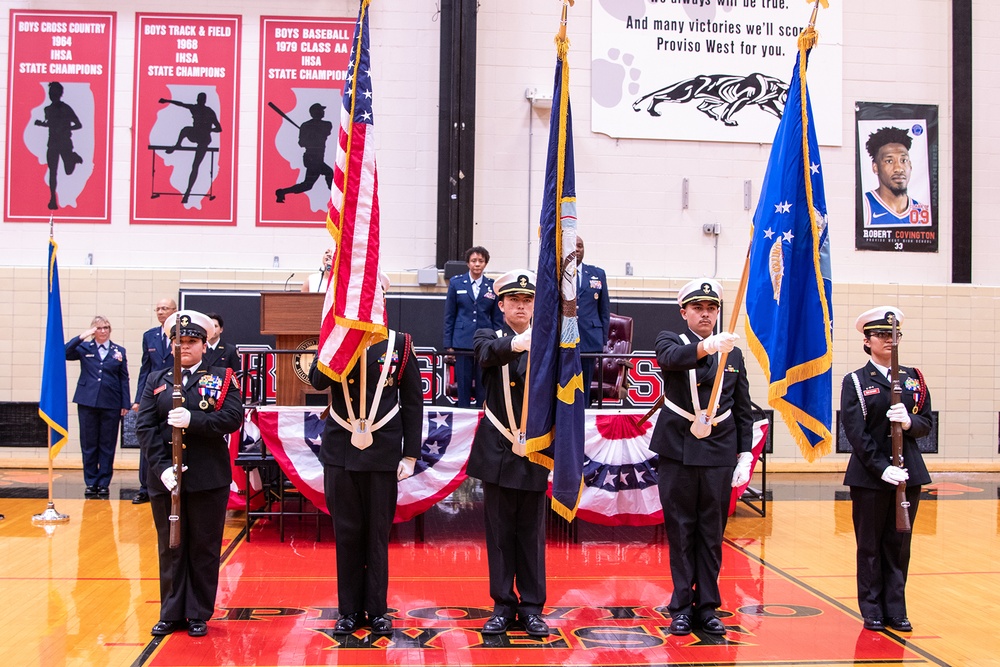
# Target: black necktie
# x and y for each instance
(185, 376)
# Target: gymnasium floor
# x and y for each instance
(86, 594)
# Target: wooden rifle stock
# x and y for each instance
(902, 505)
(177, 443)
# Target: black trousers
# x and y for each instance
(883, 553)
(467, 370)
(98, 440)
(515, 548)
(695, 503)
(363, 505)
(189, 574)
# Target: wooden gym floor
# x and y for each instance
(86, 594)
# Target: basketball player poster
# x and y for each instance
(303, 70)
(185, 129)
(896, 197)
(59, 116)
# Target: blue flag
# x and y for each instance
(52, 406)
(789, 311)
(555, 395)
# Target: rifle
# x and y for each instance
(177, 448)
(902, 505)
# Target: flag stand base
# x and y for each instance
(50, 515)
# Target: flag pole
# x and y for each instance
(51, 515)
(701, 427)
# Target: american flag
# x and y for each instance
(354, 310)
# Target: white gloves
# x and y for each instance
(742, 473)
(405, 468)
(895, 475)
(898, 413)
(720, 342)
(179, 417)
(522, 341)
(169, 477)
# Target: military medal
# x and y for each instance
(209, 388)
(203, 404)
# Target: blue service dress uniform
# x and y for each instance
(189, 575)
(514, 488)
(695, 475)
(360, 484)
(157, 355)
(463, 315)
(593, 312)
(102, 392)
(883, 556)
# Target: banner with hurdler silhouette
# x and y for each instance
(59, 116)
(184, 125)
(303, 69)
(708, 71)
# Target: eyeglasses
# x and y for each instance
(884, 335)
(102, 328)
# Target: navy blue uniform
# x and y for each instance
(102, 392)
(157, 355)
(463, 315)
(593, 312)
(222, 355)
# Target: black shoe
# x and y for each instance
(103, 491)
(713, 626)
(680, 625)
(497, 624)
(197, 627)
(874, 624)
(90, 491)
(900, 623)
(348, 624)
(534, 625)
(140, 498)
(164, 628)
(382, 625)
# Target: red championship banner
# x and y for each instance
(184, 127)
(59, 116)
(303, 67)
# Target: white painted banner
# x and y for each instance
(710, 70)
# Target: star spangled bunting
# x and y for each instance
(789, 308)
(354, 314)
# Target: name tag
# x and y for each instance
(871, 391)
(462, 291)
(159, 389)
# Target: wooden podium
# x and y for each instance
(294, 319)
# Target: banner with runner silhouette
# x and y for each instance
(303, 68)
(60, 106)
(185, 119)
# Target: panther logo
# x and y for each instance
(722, 95)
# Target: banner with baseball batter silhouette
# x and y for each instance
(708, 71)
(60, 102)
(303, 68)
(185, 120)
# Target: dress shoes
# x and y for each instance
(534, 625)
(197, 627)
(713, 626)
(164, 628)
(900, 623)
(874, 624)
(497, 624)
(90, 491)
(680, 625)
(103, 491)
(381, 625)
(347, 625)
(140, 498)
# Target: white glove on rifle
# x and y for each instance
(742, 473)
(895, 475)
(720, 342)
(898, 413)
(179, 417)
(169, 477)
(522, 341)
(405, 468)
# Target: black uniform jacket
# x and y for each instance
(223, 355)
(871, 436)
(493, 459)
(672, 436)
(403, 388)
(206, 439)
